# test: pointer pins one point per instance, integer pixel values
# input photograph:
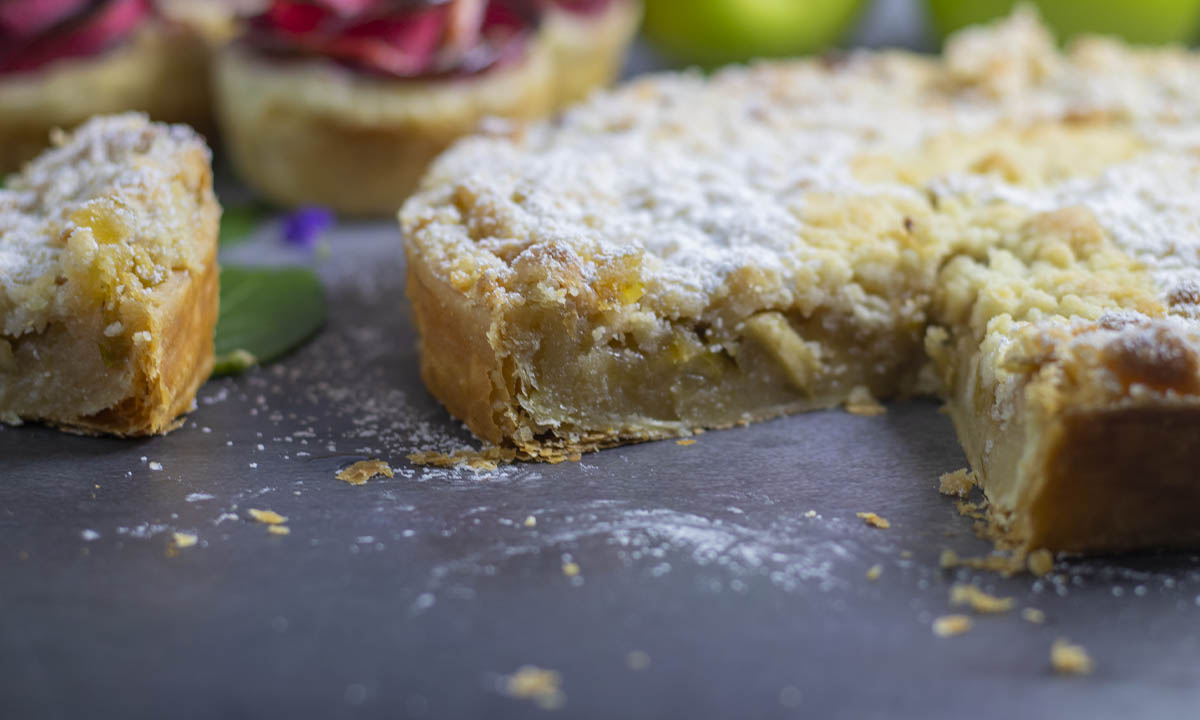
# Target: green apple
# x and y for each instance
(714, 32)
(1144, 22)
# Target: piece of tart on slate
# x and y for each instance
(63, 61)
(108, 279)
(588, 39)
(343, 104)
(1010, 226)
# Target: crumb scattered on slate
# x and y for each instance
(874, 520)
(270, 517)
(1069, 659)
(363, 470)
(543, 687)
(184, 540)
(949, 625)
(980, 601)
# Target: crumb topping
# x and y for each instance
(92, 221)
(978, 600)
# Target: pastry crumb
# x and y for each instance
(874, 572)
(543, 687)
(184, 540)
(1040, 562)
(486, 459)
(279, 530)
(1033, 615)
(958, 483)
(1069, 659)
(269, 517)
(363, 470)
(1003, 564)
(570, 569)
(875, 521)
(530, 521)
(975, 511)
(980, 601)
(810, 514)
(950, 625)
(860, 401)
(686, 442)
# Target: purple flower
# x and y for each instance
(303, 226)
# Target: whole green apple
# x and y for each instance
(714, 32)
(1143, 22)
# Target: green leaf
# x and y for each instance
(265, 312)
(238, 223)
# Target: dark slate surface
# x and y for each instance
(415, 596)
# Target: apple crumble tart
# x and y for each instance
(1014, 228)
(108, 279)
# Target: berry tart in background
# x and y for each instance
(588, 39)
(62, 61)
(343, 103)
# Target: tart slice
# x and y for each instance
(108, 279)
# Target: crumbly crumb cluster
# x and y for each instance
(93, 220)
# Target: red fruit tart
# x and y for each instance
(343, 103)
(62, 61)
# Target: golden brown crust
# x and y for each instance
(175, 364)
(309, 132)
(162, 71)
(1115, 480)
(458, 364)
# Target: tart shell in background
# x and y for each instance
(589, 48)
(161, 72)
(311, 132)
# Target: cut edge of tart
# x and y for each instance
(109, 294)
